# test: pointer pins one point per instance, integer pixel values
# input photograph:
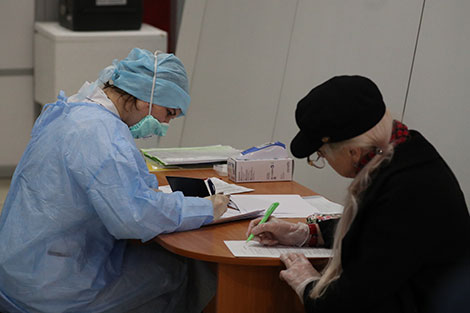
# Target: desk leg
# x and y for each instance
(252, 289)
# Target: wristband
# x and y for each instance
(318, 218)
(313, 242)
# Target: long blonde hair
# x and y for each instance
(377, 137)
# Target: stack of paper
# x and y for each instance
(290, 206)
(251, 206)
(190, 155)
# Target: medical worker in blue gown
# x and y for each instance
(82, 188)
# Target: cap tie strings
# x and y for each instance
(153, 80)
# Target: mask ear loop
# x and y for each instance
(153, 81)
(153, 88)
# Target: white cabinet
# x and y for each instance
(65, 59)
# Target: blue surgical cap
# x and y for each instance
(134, 75)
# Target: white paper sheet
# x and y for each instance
(322, 205)
(290, 206)
(165, 189)
(226, 188)
(240, 248)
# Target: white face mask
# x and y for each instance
(149, 125)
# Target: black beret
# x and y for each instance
(341, 108)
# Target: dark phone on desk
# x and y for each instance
(191, 187)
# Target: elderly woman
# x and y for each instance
(405, 224)
(82, 188)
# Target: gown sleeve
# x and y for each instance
(112, 173)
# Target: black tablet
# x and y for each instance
(191, 187)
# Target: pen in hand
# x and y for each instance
(265, 217)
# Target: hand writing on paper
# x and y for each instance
(277, 231)
(219, 203)
(299, 272)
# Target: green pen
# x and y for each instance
(265, 217)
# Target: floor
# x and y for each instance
(4, 186)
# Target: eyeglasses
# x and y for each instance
(319, 161)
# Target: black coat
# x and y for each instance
(411, 231)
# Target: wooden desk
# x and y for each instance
(244, 284)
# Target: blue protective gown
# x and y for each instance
(80, 189)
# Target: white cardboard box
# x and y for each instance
(241, 171)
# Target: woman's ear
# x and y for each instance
(142, 106)
(355, 154)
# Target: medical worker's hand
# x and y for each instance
(219, 203)
(277, 231)
(299, 272)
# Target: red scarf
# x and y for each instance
(400, 134)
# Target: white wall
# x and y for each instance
(239, 71)
(251, 61)
(439, 99)
(17, 108)
(339, 37)
(16, 80)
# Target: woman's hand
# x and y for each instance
(219, 203)
(298, 273)
(277, 231)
